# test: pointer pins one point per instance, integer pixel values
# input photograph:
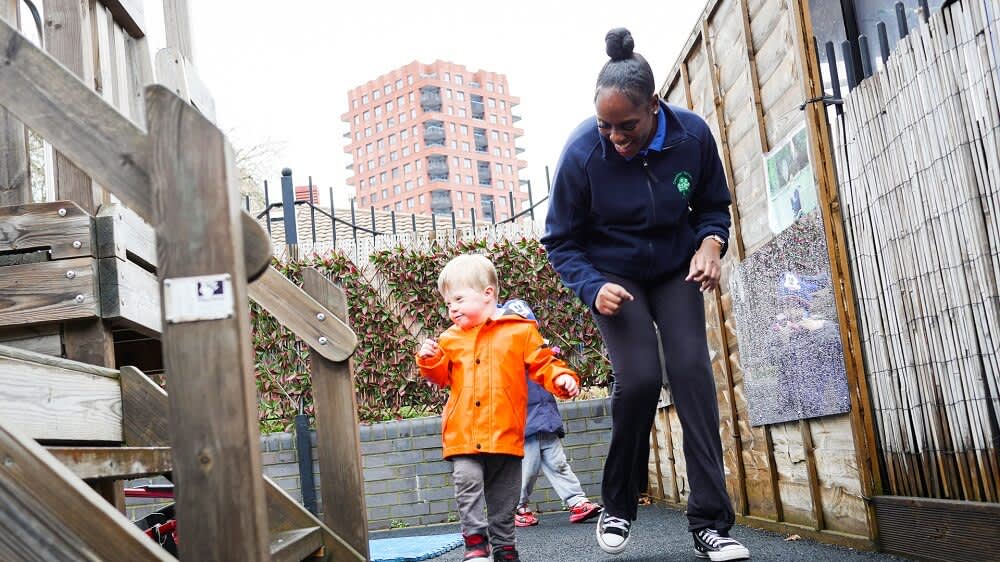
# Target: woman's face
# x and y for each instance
(629, 127)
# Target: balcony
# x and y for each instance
(434, 134)
(478, 109)
(430, 98)
(514, 118)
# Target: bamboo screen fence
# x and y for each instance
(919, 165)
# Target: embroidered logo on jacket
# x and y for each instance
(682, 181)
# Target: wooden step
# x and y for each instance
(122, 463)
(297, 545)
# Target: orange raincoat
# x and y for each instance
(485, 368)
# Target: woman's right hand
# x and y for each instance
(610, 298)
(428, 349)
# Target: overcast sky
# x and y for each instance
(280, 71)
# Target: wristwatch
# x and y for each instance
(717, 238)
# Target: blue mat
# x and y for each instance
(412, 549)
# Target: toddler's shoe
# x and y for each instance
(506, 553)
(583, 511)
(477, 549)
(708, 543)
(524, 518)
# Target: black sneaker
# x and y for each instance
(506, 553)
(708, 543)
(612, 533)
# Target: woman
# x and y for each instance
(638, 221)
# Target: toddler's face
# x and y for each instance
(468, 307)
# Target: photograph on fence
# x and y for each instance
(787, 328)
(791, 188)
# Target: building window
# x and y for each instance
(465, 147)
(382, 177)
(387, 89)
(483, 168)
(406, 151)
(367, 115)
(490, 102)
(434, 133)
(420, 198)
(441, 201)
(376, 95)
(430, 99)
(468, 180)
(437, 168)
(461, 95)
(476, 103)
(486, 204)
(458, 79)
(408, 185)
(364, 99)
(396, 190)
(399, 206)
(409, 203)
(392, 139)
(407, 168)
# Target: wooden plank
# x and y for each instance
(15, 172)
(213, 406)
(815, 495)
(736, 242)
(129, 14)
(843, 288)
(145, 410)
(43, 338)
(123, 234)
(341, 477)
(304, 316)
(286, 514)
(59, 226)
(295, 545)
(93, 134)
(176, 71)
(139, 74)
(934, 529)
(48, 291)
(177, 23)
(45, 401)
(50, 514)
(114, 462)
(130, 296)
(24, 355)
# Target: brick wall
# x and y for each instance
(407, 482)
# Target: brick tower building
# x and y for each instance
(436, 138)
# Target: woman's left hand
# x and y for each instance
(706, 265)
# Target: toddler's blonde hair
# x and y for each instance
(468, 271)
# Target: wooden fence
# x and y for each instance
(748, 68)
(918, 151)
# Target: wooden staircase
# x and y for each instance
(175, 261)
(110, 425)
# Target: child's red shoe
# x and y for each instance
(524, 518)
(477, 549)
(583, 511)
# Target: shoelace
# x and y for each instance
(618, 522)
(712, 537)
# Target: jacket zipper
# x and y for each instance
(650, 178)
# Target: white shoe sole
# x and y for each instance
(734, 554)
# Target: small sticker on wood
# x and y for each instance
(193, 299)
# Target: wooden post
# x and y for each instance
(206, 335)
(342, 485)
(15, 179)
(836, 241)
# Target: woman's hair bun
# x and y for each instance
(618, 43)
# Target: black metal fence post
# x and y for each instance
(831, 61)
(267, 209)
(848, 57)
(901, 24)
(288, 207)
(333, 220)
(531, 202)
(312, 210)
(303, 445)
(866, 59)
(883, 43)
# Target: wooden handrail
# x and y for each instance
(105, 144)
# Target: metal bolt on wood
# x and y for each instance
(77, 244)
(62, 212)
(320, 316)
(79, 299)
(70, 274)
(322, 340)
